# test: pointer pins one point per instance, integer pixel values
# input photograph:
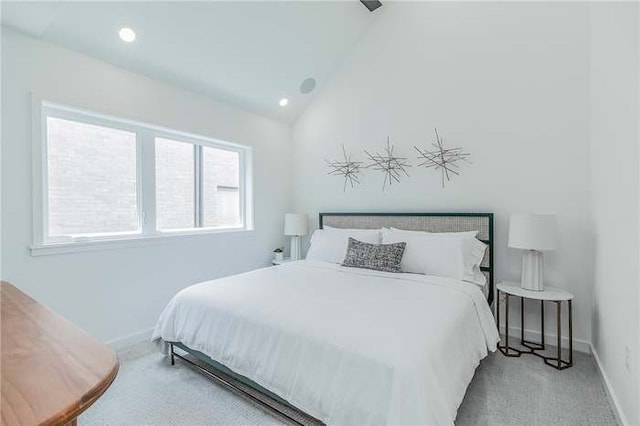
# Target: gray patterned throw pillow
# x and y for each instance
(381, 257)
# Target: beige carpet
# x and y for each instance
(504, 391)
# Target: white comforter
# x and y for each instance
(348, 346)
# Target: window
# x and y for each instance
(175, 185)
(220, 187)
(202, 196)
(92, 179)
(108, 179)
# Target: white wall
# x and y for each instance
(114, 293)
(508, 82)
(615, 135)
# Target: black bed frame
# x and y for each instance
(230, 380)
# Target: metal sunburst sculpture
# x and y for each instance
(393, 167)
(444, 159)
(348, 169)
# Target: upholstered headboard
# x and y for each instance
(431, 222)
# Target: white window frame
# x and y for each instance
(145, 175)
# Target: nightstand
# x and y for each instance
(280, 262)
(549, 294)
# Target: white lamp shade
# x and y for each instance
(532, 231)
(295, 224)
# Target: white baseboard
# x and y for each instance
(125, 342)
(550, 339)
(613, 399)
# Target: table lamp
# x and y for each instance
(533, 233)
(295, 225)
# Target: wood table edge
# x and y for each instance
(88, 399)
(68, 415)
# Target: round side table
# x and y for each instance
(549, 294)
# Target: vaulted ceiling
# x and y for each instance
(250, 54)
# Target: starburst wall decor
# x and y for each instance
(444, 159)
(349, 170)
(391, 166)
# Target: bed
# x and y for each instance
(344, 345)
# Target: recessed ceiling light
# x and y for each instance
(127, 34)
(283, 102)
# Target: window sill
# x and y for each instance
(129, 242)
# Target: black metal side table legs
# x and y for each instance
(558, 362)
(535, 348)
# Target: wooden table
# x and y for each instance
(51, 371)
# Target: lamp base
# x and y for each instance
(532, 270)
(295, 247)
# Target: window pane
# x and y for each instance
(175, 185)
(91, 179)
(220, 187)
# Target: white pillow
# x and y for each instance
(330, 245)
(474, 255)
(473, 234)
(449, 254)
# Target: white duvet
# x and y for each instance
(348, 346)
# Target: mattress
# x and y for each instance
(345, 345)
